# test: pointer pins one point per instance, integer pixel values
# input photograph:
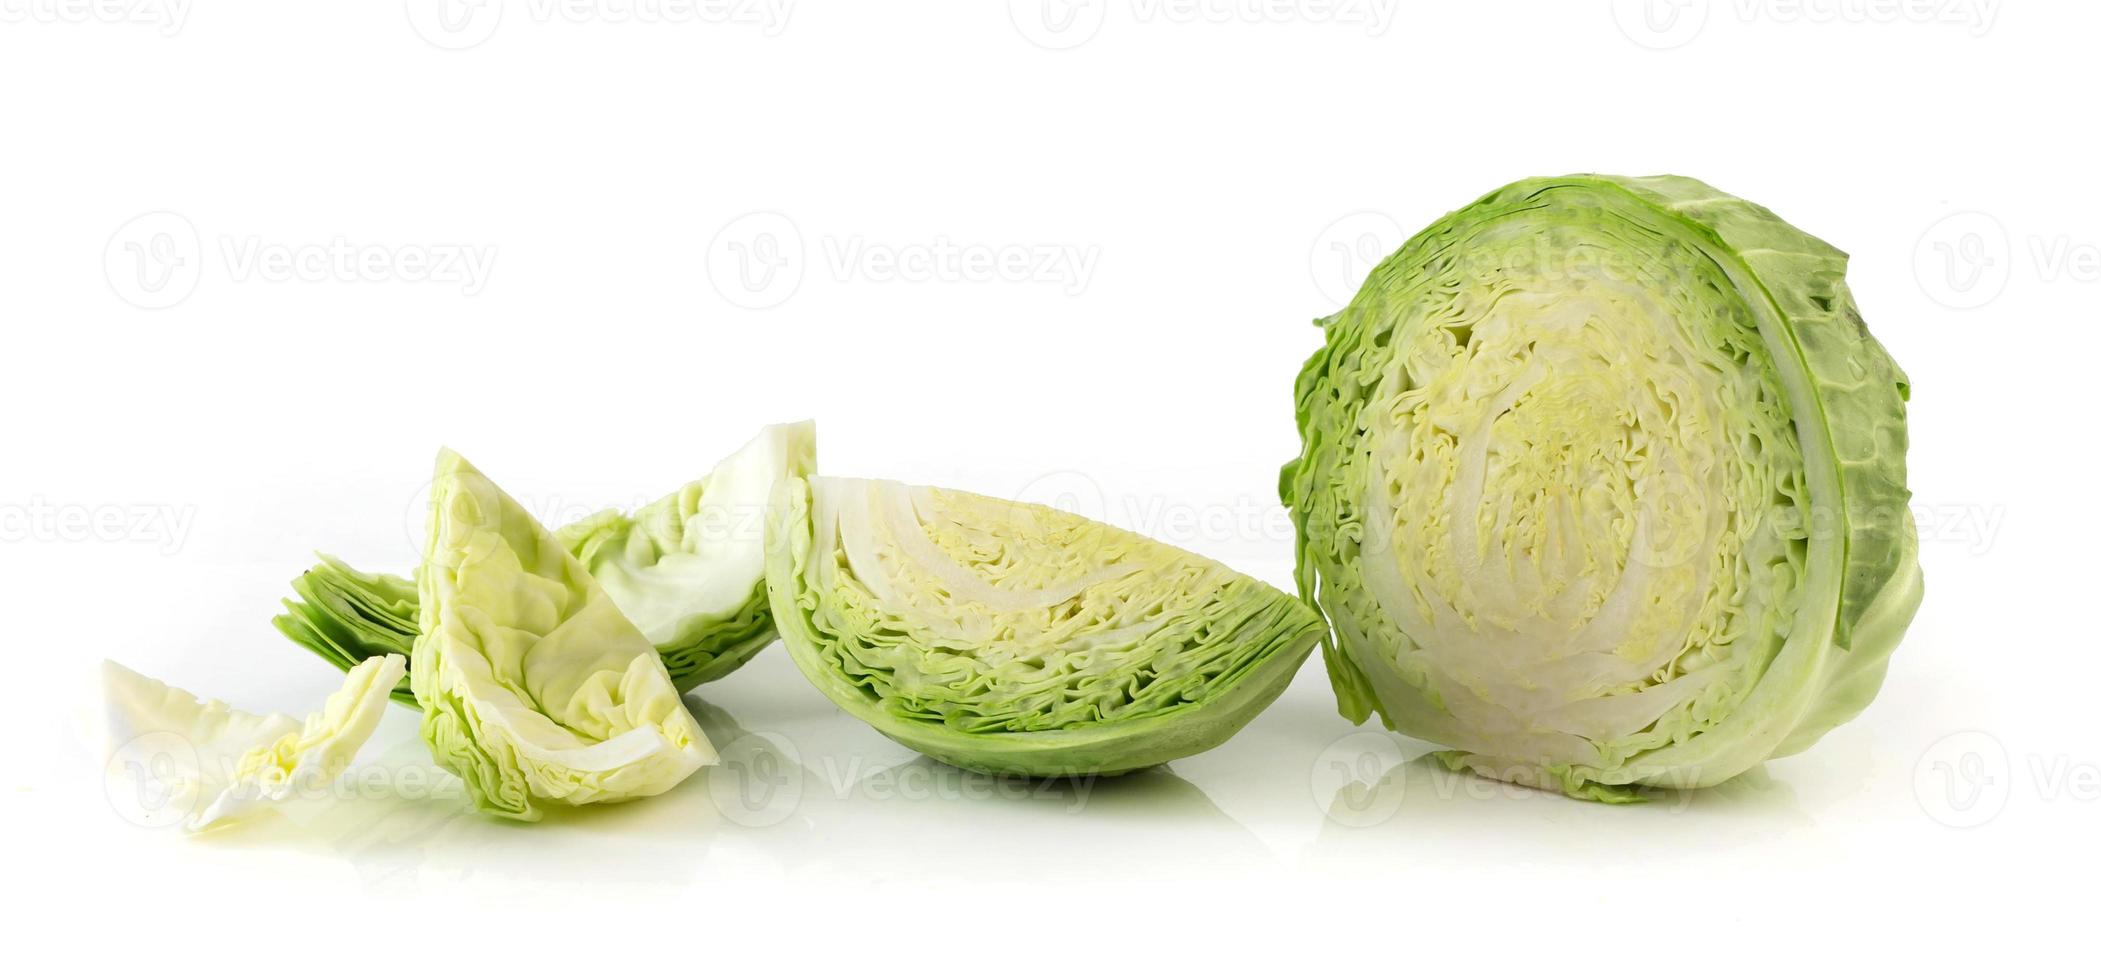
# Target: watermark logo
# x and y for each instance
(756, 261)
(1673, 525)
(1967, 259)
(1660, 25)
(1349, 779)
(1963, 780)
(154, 261)
(151, 780)
(164, 17)
(1964, 260)
(759, 780)
(1347, 250)
(1071, 491)
(454, 25)
(1058, 24)
(1966, 779)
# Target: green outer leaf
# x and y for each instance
(1859, 393)
(1859, 390)
(1847, 401)
(1073, 748)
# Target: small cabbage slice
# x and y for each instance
(688, 569)
(534, 687)
(1013, 638)
(217, 764)
(1603, 486)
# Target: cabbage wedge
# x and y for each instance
(211, 764)
(1016, 639)
(1603, 486)
(688, 569)
(535, 687)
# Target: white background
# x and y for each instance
(198, 391)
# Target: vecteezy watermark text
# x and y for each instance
(1180, 521)
(762, 779)
(164, 17)
(1062, 24)
(1967, 259)
(761, 259)
(158, 780)
(1966, 779)
(341, 260)
(1345, 252)
(709, 522)
(157, 260)
(1665, 24)
(41, 521)
(1363, 778)
(456, 25)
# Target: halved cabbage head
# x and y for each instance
(202, 763)
(1014, 638)
(1603, 484)
(534, 686)
(688, 569)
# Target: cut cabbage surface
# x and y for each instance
(1603, 485)
(1014, 638)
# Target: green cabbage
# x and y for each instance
(1602, 485)
(534, 686)
(688, 569)
(1014, 638)
(213, 764)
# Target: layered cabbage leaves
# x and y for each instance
(688, 569)
(1017, 639)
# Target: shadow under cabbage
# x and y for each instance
(879, 816)
(1422, 794)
